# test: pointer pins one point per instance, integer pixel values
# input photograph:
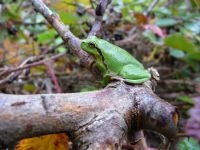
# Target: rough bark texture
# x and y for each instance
(94, 120)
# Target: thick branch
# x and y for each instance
(96, 120)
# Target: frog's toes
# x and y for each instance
(114, 84)
(148, 84)
(151, 84)
(113, 78)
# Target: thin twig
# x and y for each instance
(14, 75)
(53, 76)
(10, 70)
(100, 10)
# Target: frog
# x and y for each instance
(117, 63)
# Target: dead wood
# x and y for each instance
(94, 120)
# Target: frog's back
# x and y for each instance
(119, 55)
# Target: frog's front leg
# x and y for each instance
(114, 80)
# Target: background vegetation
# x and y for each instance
(159, 33)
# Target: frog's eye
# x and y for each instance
(91, 45)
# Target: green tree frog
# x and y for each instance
(116, 62)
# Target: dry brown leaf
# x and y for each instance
(46, 142)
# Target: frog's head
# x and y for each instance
(90, 45)
(154, 73)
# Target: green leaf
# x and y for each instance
(164, 22)
(194, 56)
(29, 87)
(186, 99)
(69, 18)
(37, 28)
(128, 1)
(151, 36)
(46, 36)
(197, 79)
(188, 144)
(163, 11)
(58, 40)
(61, 49)
(176, 53)
(180, 42)
(193, 26)
(197, 2)
(5, 1)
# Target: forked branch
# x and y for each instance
(97, 120)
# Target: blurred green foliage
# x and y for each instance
(188, 144)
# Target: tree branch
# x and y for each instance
(100, 10)
(72, 41)
(97, 120)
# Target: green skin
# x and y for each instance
(115, 61)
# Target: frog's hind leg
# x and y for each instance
(133, 74)
(138, 81)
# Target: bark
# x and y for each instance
(93, 120)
